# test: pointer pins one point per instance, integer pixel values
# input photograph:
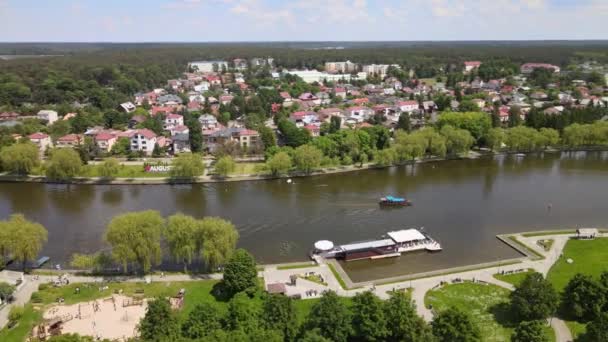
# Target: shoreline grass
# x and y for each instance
(296, 266)
(515, 278)
(525, 247)
(337, 276)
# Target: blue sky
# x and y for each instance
(301, 20)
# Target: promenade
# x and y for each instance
(308, 289)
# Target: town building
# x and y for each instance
(528, 68)
(471, 65)
(378, 69)
(70, 140)
(311, 76)
(340, 67)
(143, 140)
(208, 66)
(50, 116)
(43, 141)
(105, 141)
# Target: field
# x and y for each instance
(513, 279)
(589, 257)
(196, 293)
(247, 169)
(486, 304)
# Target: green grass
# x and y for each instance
(589, 257)
(513, 279)
(547, 244)
(487, 306)
(549, 232)
(22, 330)
(338, 277)
(295, 266)
(247, 169)
(315, 278)
(125, 171)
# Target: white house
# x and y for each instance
(143, 140)
(48, 115)
(43, 141)
(207, 66)
(359, 114)
(202, 87)
(173, 120)
(127, 107)
(208, 121)
(408, 106)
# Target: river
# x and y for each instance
(463, 204)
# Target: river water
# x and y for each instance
(463, 204)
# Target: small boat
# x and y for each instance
(391, 201)
(41, 262)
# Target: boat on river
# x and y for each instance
(392, 245)
(391, 201)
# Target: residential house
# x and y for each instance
(429, 106)
(70, 140)
(162, 109)
(202, 87)
(173, 120)
(471, 65)
(50, 116)
(226, 99)
(308, 97)
(245, 138)
(240, 64)
(340, 91)
(208, 121)
(287, 100)
(303, 118)
(177, 130)
(340, 67)
(323, 98)
(181, 143)
(143, 140)
(326, 114)
(480, 103)
(105, 141)
(359, 114)
(314, 130)
(9, 116)
(528, 68)
(194, 106)
(408, 106)
(169, 100)
(43, 141)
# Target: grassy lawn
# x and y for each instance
(486, 304)
(549, 232)
(247, 169)
(315, 278)
(125, 171)
(22, 330)
(295, 266)
(589, 257)
(514, 279)
(337, 275)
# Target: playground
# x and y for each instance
(114, 318)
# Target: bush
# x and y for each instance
(43, 286)
(16, 313)
(36, 298)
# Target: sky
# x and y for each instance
(300, 20)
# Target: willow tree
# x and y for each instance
(135, 238)
(219, 239)
(25, 238)
(181, 234)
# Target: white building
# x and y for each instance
(378, 69)
(340, 67)
(173, 120)
(311, 76)
(143, 140)
(43, 141)
(207, 66)
(408, 106)
(48, 115)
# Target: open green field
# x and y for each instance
(486, 304)
(197, 292)
(589, 257)
(513, 279)
(247, 169)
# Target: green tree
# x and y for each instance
(495, 138)
(20, 158)
(219, 240)
(72, 338)
(240, 273)
(203, 320)
(195, 135)
(187, 165)
(404, 122)
(64, 164)
(369, 321)
(135, 238)
(267, 136)
(279, 164)
(27, 238)
(550, 136)
(597, 330)
(109, 168)
(96, 261)
(529, 331)
(453, 325)
(314, 336)
(279, 313)
(224, 166)
(243, 314)
(181, 236)
(307, 158)
(403, 322)
(522, 138)
(457, 140)
(330, 317)
(385, 157)
(121, 147)
(514, 116)
(159, 323)
(534, 298)
(477, 123)
(468, 106)
(335, 122)
(6, 291)
(583, 297)
(293, 135)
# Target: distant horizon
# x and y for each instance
(127, 21)
(301, 41)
